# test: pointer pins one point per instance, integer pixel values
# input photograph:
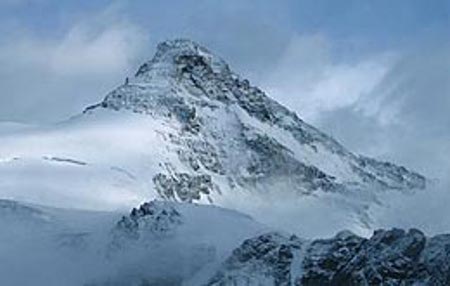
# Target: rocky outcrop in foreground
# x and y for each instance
(389, 257)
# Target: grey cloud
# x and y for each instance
(310, 79)
(50, 79)
(405, 117)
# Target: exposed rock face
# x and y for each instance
(152, 220)
(437, 259)
(231, 131)
(325, 257)
(184, 186)
(389, 257)
(263, 260)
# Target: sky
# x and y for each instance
(373, 74)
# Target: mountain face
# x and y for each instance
(227, 130)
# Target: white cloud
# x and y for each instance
(46, 79)
(404, 117)
(310, 81)
(425, 210)
(89, 47)
(108, 51)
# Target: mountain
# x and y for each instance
(224, 127)
(187, 128)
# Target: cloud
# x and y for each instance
(404, 118)
(310, 80)
(105, 52)
(46, 79)
(424, 210)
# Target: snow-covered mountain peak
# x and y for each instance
(171, 49)
(175, 57)
(231, 129)
(187, 128)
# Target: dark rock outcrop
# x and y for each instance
(263, 259)
(389, 257)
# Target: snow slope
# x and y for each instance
(105, 161)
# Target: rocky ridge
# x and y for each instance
(389, 257)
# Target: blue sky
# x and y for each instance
(375, 74)
(353, 27)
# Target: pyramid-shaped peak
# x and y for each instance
(171, 52)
